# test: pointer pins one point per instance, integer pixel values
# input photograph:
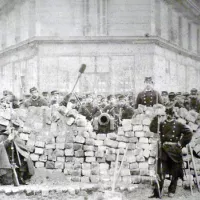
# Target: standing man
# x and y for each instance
(89, 110)
(35, 99)
(194, 101)
(173, 137)
(149, 96)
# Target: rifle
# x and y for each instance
(14, 166)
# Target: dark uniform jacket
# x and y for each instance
(112, 110)
(173, 132)
(35, 102)
(126, 112)
(148, 98)
(20, 153)
(89, 111)
(194, 104)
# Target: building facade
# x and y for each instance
(44, 42)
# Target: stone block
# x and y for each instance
(79, 153)
(39, 164)
(50, 146)
(94, 179)
(127, 125)
(69, 152)
(133, 139)
(39, 151)
(69, 145)
(40, 144)
(143, 140)
(88, 148)
(24, 136)
(110, 143)
(130, 158)
(112, 136)
(98, 142)
(69, 165)
(129, 134)
(85, 179)
(60, 145)
(61, 159)
(77, 146)
(69, 159)
(134, 165)
(135, 172)
(90, 159)
(143, 146)
(122, 145)
(149, 134)
(93, 135)
(120, 131)
(140, 158)
(146, 128)
(80, 139)
(131, 146)
(59, 165)
(139, 134)
(144, 172)
(90, 141)
(101, 136)
(103, 166)
(146, 153)
(86, 172)
(126, 179)
(50, 165)
(137, 128)
(143, 165)
(146, 121)
(151, 161)
(89, 153)
(122, 139)
(43, 158)
(111, 157)
(34, 157)
(99, 154)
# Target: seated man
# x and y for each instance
(14, 156)
(35, 99)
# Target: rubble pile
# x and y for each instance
(64, 141)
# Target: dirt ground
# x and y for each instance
(140, 193)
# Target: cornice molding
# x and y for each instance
(36, 41)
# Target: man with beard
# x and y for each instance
(35, 99)
(89, 110)
(175, 101)
(148, 96)
(173, 137)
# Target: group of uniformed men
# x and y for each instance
(173, 135)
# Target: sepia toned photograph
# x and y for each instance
(99, 99)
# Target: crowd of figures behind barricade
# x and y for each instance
(91, 105)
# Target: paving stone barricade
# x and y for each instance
(64, 141)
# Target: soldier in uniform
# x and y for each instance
(125, 111)
(194, 101)
(45, 96)
(10, 100)
(186, 100)
(173, 100)
(89, 110)
(149, 96)
(55, 98)
(35, 99)
(9, 142)
(173, 137)
(165, 98)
